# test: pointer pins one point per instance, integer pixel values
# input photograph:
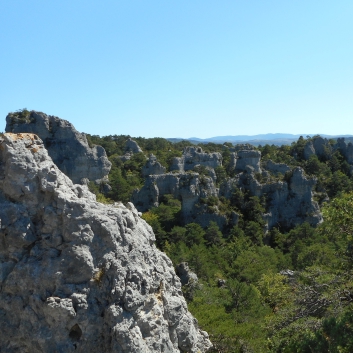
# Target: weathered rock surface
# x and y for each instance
(276, 168)
(67, 147)
(77, 275)
(248, 158)
(185, 274)
(187, 187)
(290, 202)
(317, 146)
(322, 148)
(131, 146)
(193, 156)
(153, 167)
(346, 149)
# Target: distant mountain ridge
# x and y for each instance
(260, 139)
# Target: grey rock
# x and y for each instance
(67, 147)
(317, 146)
(126, 157)
(188, 187)
(193, 156)
(233, 160)
(153, 167)
(77, 275)
(177, 164)
(309, 150)
(248, 158)
(277, 168)
(346, 149)
(185, 274)
(131, 146)
(290, 201)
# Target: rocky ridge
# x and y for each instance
(67, 147)
(193, 156)
(290, 202)
(77, 275)
(322, 148)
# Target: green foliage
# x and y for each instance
(97, 190)
(255, 307)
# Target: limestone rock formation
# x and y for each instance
(193, 156)
(153, 167)
(67, 147)
(77, 275)
(277, 168)
(322, 148)
(185, 274)
(131, 146)
(346, 149)
(290, 202)
(317, 146)
(248, 158)
(187, 187)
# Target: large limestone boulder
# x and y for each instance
(77, 275)
(131, 146)
(67, 147)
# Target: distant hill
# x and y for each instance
(277, 139)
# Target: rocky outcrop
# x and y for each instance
(317, 146)
(185, 274)
(153, 167)
(289, 202)
(276, 168)
(190, 188)
(67, 147)
(193, 156)
(346, 149)
(131, 146)
(322, 148)
(248, 158)
(77, 275)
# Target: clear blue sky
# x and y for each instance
(180, 68)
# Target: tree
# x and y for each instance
(213, 235)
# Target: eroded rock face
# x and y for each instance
(153, 167)
(131, 146)
(187, 187)
(290, 202)
(248, 158)
(193, 156)
(346, 149)
(77, 275)
(67, 147)
(277, 168)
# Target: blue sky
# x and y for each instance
(180, 68)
